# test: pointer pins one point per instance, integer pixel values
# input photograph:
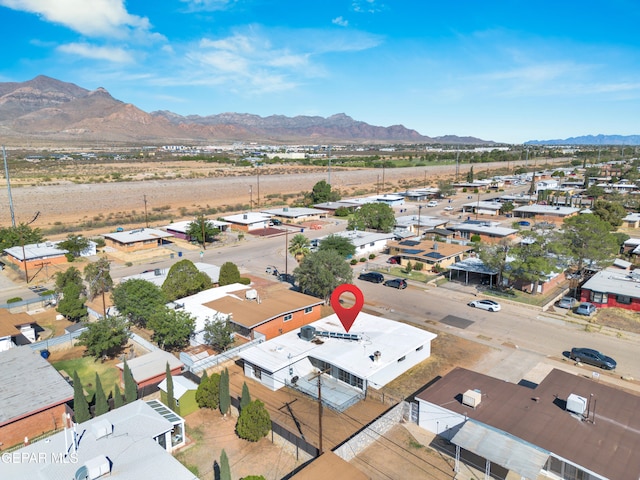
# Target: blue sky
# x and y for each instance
(508, 71)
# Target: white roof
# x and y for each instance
(130, 446)
(359, 238)
(181, 385)
(392, 339)
(36, 250)
(485, 229)
(138, 235)
(487, 205)
(248, 218)
(183, 226)
(151, 364)
(293, 212)
(547, 209)
(632, 217)
(213, 271)
(425, 221)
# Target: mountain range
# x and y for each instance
(591, 140)
(49, 111)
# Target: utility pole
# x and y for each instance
(329, 167)
(318, 376)
(251, 197)
(204, 238)
(258, 201)
(6, 173)
(286, 254)
(146, 218)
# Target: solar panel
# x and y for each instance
(341, 336)
(409, 243)
(433, 255)
(413, 251)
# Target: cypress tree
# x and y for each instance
(171, 401)
(118, 401)
(225, 396)
(225, 469)
(80, 404)
(130, 387)
(246, 397)
(101, 405)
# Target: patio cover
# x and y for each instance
(501, 448)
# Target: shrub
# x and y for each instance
(342, 212)
(372, 256)
(254, 422)
(208, 393)
(244, 281)
(363, 259)
(353, 261)
(418, 266)
(69, 256)
(14, 299)
(408, 267)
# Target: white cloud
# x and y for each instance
(340, 21)
(208, 5)
(93, 18)
(116, 55)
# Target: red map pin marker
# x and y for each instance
(347, 315)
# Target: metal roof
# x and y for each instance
(138, 235)
(151, 365)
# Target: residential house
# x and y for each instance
(418, 223)
(366, 242)
(488, 232)
(33, 397)
(36, 256)
(613, 288)
(184, 394)
(151, 368)
(331, 207)
(428, 252)
(157, 276)
(136, 240)
(16, 329)
(569, 426)
(545, 213)
(632, 220)
(482, 208)
(374, 352)
(249, 221)
(128, 443)
(296, 214)
(180, 229)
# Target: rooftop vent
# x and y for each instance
(472, 398)
(307, 333)
(245, 216)
(376, 355)
(251, 294)
(576, 404)
(157, 272)
(101, 428)
(94, 468)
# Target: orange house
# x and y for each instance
(274, 310)
(135, 240)
(36, 255)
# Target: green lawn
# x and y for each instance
(87, 368)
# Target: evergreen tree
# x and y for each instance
(229, 274)
(225, 395)
(118, 401)
(208, 393)
(254, 422)
(101, 405)
(225, 469)
(171, 401)
(130, 387)
(246, 397)
(80, 404)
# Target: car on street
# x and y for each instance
(566, 302)
(586, 308)
(489, 305)
(373, 277)
(274, 222)
(399, 283)
(524, 223)
(448, 208)
(593, 357)
(432, 203)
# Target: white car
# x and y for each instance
(486, 305)
(448, 208)
(432, 203)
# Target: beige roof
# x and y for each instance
(272, 302)
(329, 465)
(10, 322)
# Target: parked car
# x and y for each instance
(275, 222)
(448, 208)
(373, 277)
(566, 302)
(593, 357)
(586, 308)
(524, 223)
(394, 260)
(399, 283)
(432, 203)
(489, 305)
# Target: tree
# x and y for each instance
(70, 275)
(105, 337)
(21, 234)
(533, 260)
(254, 422)
(470, 175)
(118, 401)
(138, 300)
(229, 274)
(80, 405)
(171, 328)
(446, 188)
(98, 276)
(246, 397)
(184, 279)
(208, 392)
(225, 469)
(74, 244)
(130, 386)
(322, 193)
(587, 239)
(375, 216)
(507, 207)
(494, 257)
(202, 230)
(217, 333)
(71, 305)
(171, 399)
(338, 243)
(101, 404)
(610, 212)
(225, 394)
(299, 246)
(321, 272)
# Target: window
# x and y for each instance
(402, 359)
(308, 310)
(599, 297)
(419, 348)
(623, 299)
(287, 317)
(257, 372)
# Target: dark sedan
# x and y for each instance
(373, 277)
(593, 357)
(398, 283)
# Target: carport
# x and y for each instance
(471, 265)
(501, 448)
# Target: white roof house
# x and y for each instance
(374, 352)
(157, 276)
(182, 227)
(366, 242)
(250, 220)
(296, 213)
(128, 443)
(138, 235)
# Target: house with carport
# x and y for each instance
(489, 232)
(137, 240)
(545, 213)
(296, 214)
(180, 229)
(433, 254)
(249, 221)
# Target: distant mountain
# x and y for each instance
(47, 110)
(591, 140)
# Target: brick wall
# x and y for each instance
(31, 426)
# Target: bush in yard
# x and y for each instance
(353, 261)
(418, 266)
(14, 299)
(254, 422)
(362, 260)
(208, 393)
(372, 256)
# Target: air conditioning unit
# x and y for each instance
(251, 294)
(576, 404)
(472, 398)
(307, 333)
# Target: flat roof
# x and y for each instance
(607, 446)
(293, 212)
(36, 250)
(614, 282)
(426, 221)
(183, 226)
(547, 209)
(129, 445)
(359, 238)
(393, 339)
(270, 303)
(484, 229)
(138, 235)
(28, 383)
(248, 218)
(151, 365)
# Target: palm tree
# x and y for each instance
(299, 246)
